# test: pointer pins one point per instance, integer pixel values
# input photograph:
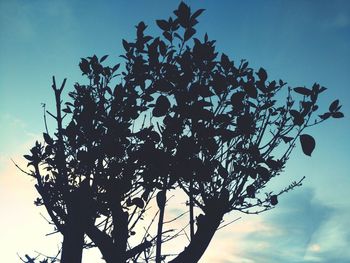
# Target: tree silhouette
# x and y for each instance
(179, 116)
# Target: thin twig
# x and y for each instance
(229, 223)
(31, 174)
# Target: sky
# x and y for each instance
(301, 42)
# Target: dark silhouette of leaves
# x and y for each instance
(162, 106)
(274, 200)
(181, 116)
(262, 74)
(251, 191)
(303, 91)
(189, 33)
(138, 202)
(197, 13)
(337, 115)
(48, 139)
(334, 105)
(103, 58)
(287, 139)
(307, 144)
(298, 118)
(163, 24)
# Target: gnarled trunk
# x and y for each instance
(73, 240)
(207, 225)
(74, 229)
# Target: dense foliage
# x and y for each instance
(180, 115)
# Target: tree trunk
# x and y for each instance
(207, 226)
(120, 231)
(104, 243)
(73, 234)
(73, 241)
(79, 215)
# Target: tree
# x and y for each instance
(179, 116)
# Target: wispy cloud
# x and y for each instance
(283, 235)
(341, 21)
(337, 21)
(332, 240)
(22, 20)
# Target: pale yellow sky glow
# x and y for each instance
(26, 228)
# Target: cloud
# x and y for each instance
(337, 21)
(282, 235)
(23, 20)
(341, 21)
(22, 227)
(296, 231)
(332, 239)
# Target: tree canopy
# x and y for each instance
(176, 115)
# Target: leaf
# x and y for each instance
(115, 68)
(28, 157)
(47, 138)
(250, 89)
(325, 115)
(222, 172)
(223, 119)
(183, 13)
(250, 191)
(67, 110)
(162, 106)
(163, 85)
(203, 103)
(202, 114)
(306, 107)
(141, 26)
(237, 98)
(303, 91)
(168, 36)
(274, 164)
(178, 36)
(273, 200)
(197, 13)
(286, 139)
(84, 66)
(189, 33)
(322, 89)
(162, 48)
(204, 91)
(298, 119)
(126, 45)
(225, 62)
(163, 24)
(103, 58)
(138, 202)
(154, 136)
(307, 144)
(334, 106)
(263, 172)
(337, 115)
(262, 74)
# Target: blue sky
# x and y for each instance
(301, 42)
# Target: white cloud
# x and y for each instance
(332, 240)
